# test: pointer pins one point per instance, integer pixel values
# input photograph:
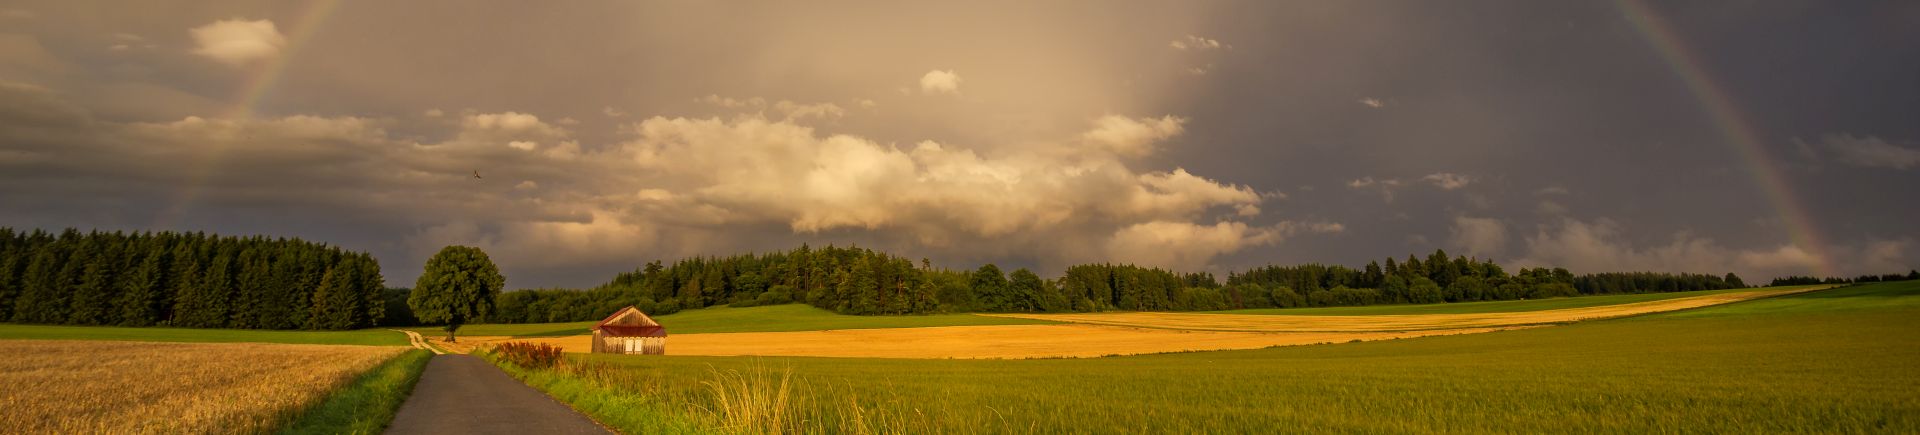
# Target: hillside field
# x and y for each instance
(1839, 360)
(1491, 306)
(775, 318)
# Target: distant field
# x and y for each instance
(1832, 361)
(60, 386)
(776, 318)
(1411, 322)
(365, 337)
(1488, 307)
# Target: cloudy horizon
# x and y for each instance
(1769, 140)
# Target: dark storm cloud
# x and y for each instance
(1199, 136)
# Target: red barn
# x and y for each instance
(630, 331)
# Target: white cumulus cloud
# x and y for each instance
(238, 42)
(940, 82)
(1133, 136)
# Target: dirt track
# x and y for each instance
(1102, 334)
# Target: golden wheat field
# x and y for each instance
(1102, 334)
(999, 341)
(1386, 323)
(49, 386)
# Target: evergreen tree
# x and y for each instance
(13, 262)
(40, 287)
(372, 289)
(89, 302)
(140, 292)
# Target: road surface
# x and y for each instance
(461, 394)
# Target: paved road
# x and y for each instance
(461, 394)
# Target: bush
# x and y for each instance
(528, 355)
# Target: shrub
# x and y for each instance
(528, 355)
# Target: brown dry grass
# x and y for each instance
(49, 386)
(1383, 323)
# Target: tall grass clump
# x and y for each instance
(529, 355)
(754, 400)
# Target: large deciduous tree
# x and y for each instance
(458, 286)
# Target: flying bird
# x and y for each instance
(476, 175)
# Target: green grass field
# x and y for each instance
(776, 318)
(1832, 361)
(1487, 307)
(371, 337)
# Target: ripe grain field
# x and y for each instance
(1410, 322)
(57, 386)
(719, 319)
(1833, 361)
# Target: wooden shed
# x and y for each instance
(629, 331)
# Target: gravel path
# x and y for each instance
(461, 394)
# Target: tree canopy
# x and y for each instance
(459, 285)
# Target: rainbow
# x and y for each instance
(1726, 116)
(254, 87)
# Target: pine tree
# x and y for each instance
(140, 292)
(89, 303)
(249, 290)
(373, 288)
(189, 299)
(13, 261)
(39, 287)
(323, 312)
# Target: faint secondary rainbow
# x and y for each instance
(1733, 125)
(254, 86)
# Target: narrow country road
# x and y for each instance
(461, 394)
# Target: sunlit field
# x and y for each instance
(59, 386)
(1491, 306)
(776, 318)
(1082, 335)
(1838, 360)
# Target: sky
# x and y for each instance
(1766, 138)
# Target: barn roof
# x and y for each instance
(608, 327)
(633, 331)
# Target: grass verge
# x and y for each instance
(368, 404)
(600, 394)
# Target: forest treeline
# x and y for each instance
(185, 280)
(200, 280)
(853, 280)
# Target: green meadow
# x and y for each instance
(1839, 360)
(369, 337)
(774, 318)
